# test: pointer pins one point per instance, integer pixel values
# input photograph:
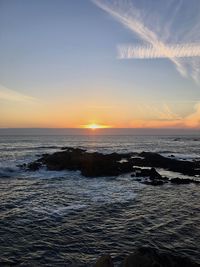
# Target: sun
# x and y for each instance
(94, 126)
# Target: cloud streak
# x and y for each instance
(167, 119)
(172, 51)
(11, 95)
(137, 20)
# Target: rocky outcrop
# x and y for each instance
(151, 173)
(149, 257)
(149, 159)
(34, 166)
(97, 164)
(90, 164)
(183, 181)
(104, 261)
(152, 177)
(149, 176)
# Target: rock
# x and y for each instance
(154, 174)
(140, 258)
(90, 164)
(177, 139)
(149, 257)
(22, 166)
(34, 166)
(154, 182)
(151, 173)
(156, 160)
(104, 261)
(151, 176)
(97, 164)
(9, 263)
(183, 181)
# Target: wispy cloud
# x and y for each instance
(11, 95)
(182, 47)
(193, 119)
(166, 118)
(172, 51)
(162, 113)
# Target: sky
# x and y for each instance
(121, 64)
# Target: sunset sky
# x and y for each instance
(73, 63)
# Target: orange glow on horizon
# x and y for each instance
(94, 126)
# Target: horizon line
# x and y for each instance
(107, 128)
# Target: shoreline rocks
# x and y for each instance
(148, 257)
(104, 261)
(96, 164)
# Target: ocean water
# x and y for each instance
(50, 218)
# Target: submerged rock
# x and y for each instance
(183, 181)
(34, 166)
(154, 182)
(104, 261)
(148, 257)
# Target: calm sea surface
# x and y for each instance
(50, 218)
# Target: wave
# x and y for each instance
(7, 172)
(60, 211)
(7, 149)
(187, 138)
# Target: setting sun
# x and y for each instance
(94, 126)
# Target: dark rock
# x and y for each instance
(98, 164)
(154, 182)
(183, 181)
(154, 174)
(150, 159)
(151, 173)
(34, 166)
(151, 176)
(104, 261)
(164, 178)
(9, 263)
(149, 257)
(22, 166)
(90, 164)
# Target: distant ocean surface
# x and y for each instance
(50, 218)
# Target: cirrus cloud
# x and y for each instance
(165, 118)
(164, 34)
(11, 95)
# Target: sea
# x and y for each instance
(50, 218)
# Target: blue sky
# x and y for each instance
(60, 63)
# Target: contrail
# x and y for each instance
(133, 19)
(171, 51)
